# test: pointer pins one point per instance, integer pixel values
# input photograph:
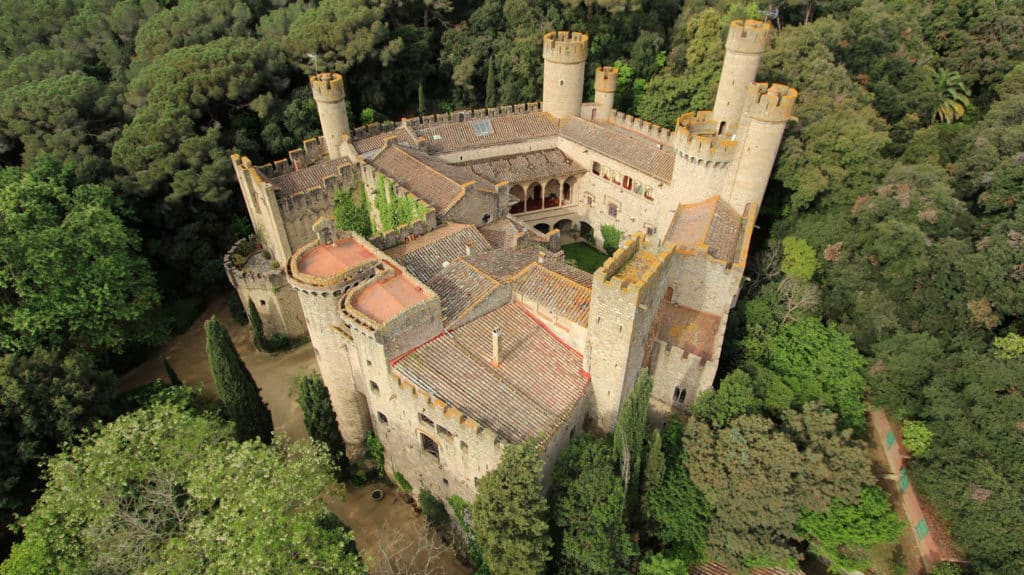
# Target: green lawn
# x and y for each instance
(583, 256)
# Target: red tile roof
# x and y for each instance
(540, 165)
(425, 256)
(532, 392)
(385, 298)
(559, 294)
(331, 259)
(712, 223)
(311, 177)
(460, 287)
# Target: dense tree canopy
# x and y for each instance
(164, 490)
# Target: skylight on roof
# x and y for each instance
(483, 127)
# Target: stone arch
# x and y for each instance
(552, 194)
(542, 228)
(517, 192)
(586, 231)
(534, 198)
(565, 226)
(567, 189)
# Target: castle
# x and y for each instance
(464, 328)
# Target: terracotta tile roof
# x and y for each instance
(383, 299)
(454, 135)
(436, 182)
(624, 145)
(331, 259)
(376, 141)
(689, 329)
(542, 164)
(424, 257)
(559, 294)
(503, 263)
(501, 233)
(533, 390)
(712, 222)
(460, 287)
(310, 177)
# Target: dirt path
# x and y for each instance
(374, 523)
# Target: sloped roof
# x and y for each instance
(310, 177)
(453, 135)
(531, 392)
(424, 257)
(542, 164)
(563, 296)
(712, 223)
(645, 154)
(460, 287)
(436, 182)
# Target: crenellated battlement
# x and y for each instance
(251, 276)
(565, 47)
(327, 87)
(771, 102)
(468, 115)
(606, 78)
(697, 140)
(641, 126)
(748, 36)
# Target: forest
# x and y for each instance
(887, 270)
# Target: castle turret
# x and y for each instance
(329, 93)
(746, 42)
(565, 62)
(703, 158)
(768, 109)
(604, 92)
(321, 272)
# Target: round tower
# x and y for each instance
(769, 108)
(605, 80)
(329, 93)
(565, 62)
(320, 274)
(746, 42)
(703, 158)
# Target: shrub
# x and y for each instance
(434, 510)
(916, 436)
(611, 235)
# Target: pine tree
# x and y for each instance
(321, 422)
(259, 339)
(491, 93)
(172, 376)
(630, 430)
(654, 469)
(235, 386)
(510, 515)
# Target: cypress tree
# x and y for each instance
(259, 339)
(510, 515)
(630, 430)
(421, 100)
(654, 467)
(320, 419)
(235, 386)
(172, 376)
(491, 93)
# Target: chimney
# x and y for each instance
(496, 347)
(540, 257)
(469, 250)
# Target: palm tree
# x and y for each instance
(953, 96)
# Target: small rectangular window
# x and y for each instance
(429, 445)
(613, 210)
(374, 387)
(427, 420)
(627, 182)
(382, 418)
(464, 447)
(444, 432)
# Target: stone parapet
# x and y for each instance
(748, 36)
(565, 47)
(327, 87)
(606, 78)
(697, 140)
(771, 102)
(641, 126)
